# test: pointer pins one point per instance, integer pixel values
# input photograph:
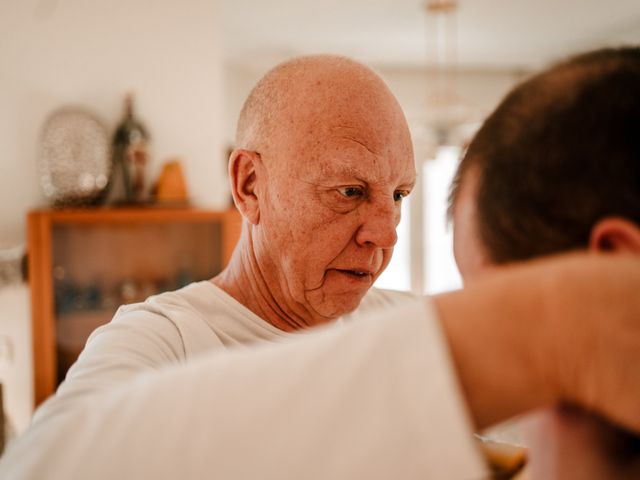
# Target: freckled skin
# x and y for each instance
(328, 189)
(316, 228)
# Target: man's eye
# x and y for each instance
(351, 192)
(399, 195)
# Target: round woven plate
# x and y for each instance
(75, 160)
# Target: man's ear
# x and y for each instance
(615, 234)
(242, 173)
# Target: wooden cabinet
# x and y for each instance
(84, 263)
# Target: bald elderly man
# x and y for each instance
(288, 364)
(555, 168)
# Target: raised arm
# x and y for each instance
(563, 330)
(371, 399)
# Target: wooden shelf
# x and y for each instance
(107, 250)
(134, 215)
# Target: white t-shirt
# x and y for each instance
(191, 384)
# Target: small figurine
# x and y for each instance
(171, 187)
(130, 158)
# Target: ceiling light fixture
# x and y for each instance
(449, 116)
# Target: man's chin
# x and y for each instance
(340, 293)
(333, 306)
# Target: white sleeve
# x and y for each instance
(375, 400)
(134, 342)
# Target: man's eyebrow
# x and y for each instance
(340, 172)
(409, 184)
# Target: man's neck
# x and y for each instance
(245, 281)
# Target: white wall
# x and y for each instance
(480, 90)
(90, 53)
(15, 355)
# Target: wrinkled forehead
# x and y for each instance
(320, 116)
(350, 133)
(346, 153)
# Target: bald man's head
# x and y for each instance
(306, 91)
(323, 161)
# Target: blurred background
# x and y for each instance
(190, 64)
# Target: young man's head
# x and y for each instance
(555, 167)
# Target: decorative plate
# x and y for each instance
(75, 162)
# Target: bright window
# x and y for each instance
(440, 271)
(397, 276)
(423, 258)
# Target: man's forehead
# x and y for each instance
(349, 164)
(350, 148)
(347, 126)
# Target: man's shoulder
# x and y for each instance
(183, 318)
(205, 316)
(170, 305)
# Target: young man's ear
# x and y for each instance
(615, 234)
(242, 173)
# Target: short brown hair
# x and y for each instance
(559, 153)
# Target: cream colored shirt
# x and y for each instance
(191, 384)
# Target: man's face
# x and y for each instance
(330, 204)
(469, 252)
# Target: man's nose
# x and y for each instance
(379, 224)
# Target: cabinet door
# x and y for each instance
(84, 264)
(98, 267)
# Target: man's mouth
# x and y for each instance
(358, 274)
